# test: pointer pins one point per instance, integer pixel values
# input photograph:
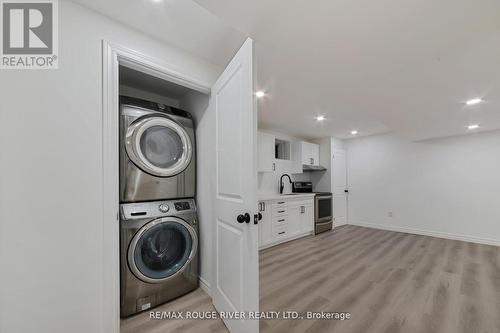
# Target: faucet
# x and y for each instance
(281, 182)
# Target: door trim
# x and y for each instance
(114, 55)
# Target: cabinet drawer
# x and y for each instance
(280, 232)
(280, 204)
(279, 211)
(279, 220)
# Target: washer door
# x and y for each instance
(162, 249)
(158, 145)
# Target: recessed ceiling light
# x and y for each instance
(473, 126)
(354, 132)
(320, 118)
(474, 101)
(260, 94)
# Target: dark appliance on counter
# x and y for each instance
(323, 217)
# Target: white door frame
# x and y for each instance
(114, 55)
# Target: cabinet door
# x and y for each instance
(293, 218)
(296, 163)
(265, 224)
(265, 148)
(306, 153)
(314, 154)
(307, 218)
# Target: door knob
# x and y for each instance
(243, 218)
(256, 218)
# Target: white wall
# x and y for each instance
(445, 186)
(268, 182)
(51, 240)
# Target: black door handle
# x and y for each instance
(346, 191)
(243, 218)
(256, 218)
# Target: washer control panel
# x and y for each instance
(143, 210)
(182, 205)
(163, 208)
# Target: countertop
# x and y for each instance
(276, 196)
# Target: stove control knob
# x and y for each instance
(163, 208)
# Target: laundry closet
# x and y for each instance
(187, 188)
(159, 225)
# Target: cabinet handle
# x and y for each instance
(282, 220)
(281, 202)
(281, 233)
(264, 206)
(274, 166)
(281, 211)
(312, 161)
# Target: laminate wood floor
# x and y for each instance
(197, 300)
(388, 281)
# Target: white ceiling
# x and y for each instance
(376, 66)
(182, 23)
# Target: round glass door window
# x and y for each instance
(162, 249)
(159, 146)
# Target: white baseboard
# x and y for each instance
(205, 286)
(438, 234)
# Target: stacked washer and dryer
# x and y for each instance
(158, 219)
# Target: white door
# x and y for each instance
(339, 187)
(236, 280)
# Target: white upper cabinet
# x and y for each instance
(310, 153)
(313, 151)
(305, 153)
(265, 148)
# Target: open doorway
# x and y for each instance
(220, 116)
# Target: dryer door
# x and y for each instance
(158, 145)
(161, 249)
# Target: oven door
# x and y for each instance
(323, 211)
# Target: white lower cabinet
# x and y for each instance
(284, 220)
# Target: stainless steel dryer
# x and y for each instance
(157, 152)
(158, 253)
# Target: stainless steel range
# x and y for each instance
(323, 217)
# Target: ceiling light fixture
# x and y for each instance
(260, 94)
(473, 126)
(354, 132)
(474, 101)
(320, 118)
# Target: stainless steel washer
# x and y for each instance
(158, 253)
(157, 152)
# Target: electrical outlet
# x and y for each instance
(389, 214)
